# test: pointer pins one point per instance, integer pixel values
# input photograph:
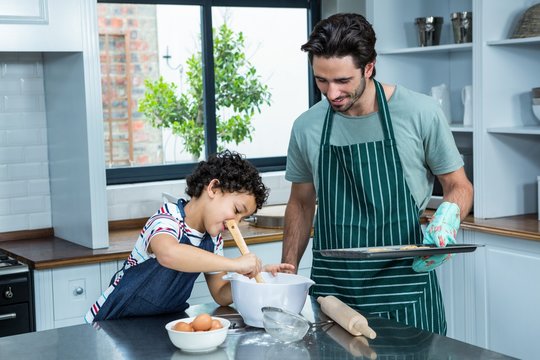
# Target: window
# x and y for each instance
(247, 100)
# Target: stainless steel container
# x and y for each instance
(429, 30)
(462, 26)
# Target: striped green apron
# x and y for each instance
(364, 200)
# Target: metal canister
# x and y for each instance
(462, 26)
(429, 30)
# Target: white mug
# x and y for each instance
(466, 99)
(442, 95)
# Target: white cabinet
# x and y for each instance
(491, 296)
(504, 136)
(270, 253)
(64, 295)
(40, 25)
(507, 294)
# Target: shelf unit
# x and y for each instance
(504, 135)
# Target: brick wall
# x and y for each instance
(133, 53)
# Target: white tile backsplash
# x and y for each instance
(142, 200)
(24, 176)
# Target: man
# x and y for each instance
(366, 155)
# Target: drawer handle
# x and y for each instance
(78, 291)
(8, 316)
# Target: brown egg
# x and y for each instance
(202, 322)
(182, 326)
(216, 324)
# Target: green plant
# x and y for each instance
(239, 93)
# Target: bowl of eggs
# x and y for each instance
(200, 333)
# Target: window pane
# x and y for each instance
(140, 43)
(272, 51)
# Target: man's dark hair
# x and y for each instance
(234, 173)
(341, 35)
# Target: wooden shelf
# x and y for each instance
(521, 41)
(428, 49)
(522, 130)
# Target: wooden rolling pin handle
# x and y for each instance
(240, 242)
(349, 319)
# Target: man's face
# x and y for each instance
(340, 81)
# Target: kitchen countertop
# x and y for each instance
(44, 251)
(146, 338)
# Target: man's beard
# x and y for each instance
(353, 97)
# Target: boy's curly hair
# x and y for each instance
(234, 173)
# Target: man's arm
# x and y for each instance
(298, 222)
(457, 189)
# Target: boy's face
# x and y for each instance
(227, 206)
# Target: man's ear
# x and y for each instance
(368, 70)
(212, 188)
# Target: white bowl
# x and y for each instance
(536, 111)
(200, 341)
(285, 291)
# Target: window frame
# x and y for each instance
(140, 174)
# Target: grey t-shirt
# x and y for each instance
(424, 141)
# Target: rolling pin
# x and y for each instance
(240, 242)
(349, 319)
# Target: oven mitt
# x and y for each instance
(441, 231)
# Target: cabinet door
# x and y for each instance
(75, 288)
(41, 25)
(507, 295)
(107, 270)
(457, 282)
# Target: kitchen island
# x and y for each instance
(146, 338)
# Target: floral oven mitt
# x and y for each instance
(441, 231)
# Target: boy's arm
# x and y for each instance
(219, 289)
(181, 257)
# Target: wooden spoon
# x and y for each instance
(240, 242)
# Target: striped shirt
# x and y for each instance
(167, 220)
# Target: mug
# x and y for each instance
(466, 99)
(442, 95)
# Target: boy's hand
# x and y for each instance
(248, 265)
(441, 231)
(275, 268)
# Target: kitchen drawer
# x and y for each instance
(75, 289)
(14, 319)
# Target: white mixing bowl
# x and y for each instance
(285, 291)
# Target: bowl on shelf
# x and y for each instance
(536, 111)
(198, 341)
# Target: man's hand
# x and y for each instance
(275, 268)
(441, 231)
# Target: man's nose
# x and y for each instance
(333, 91)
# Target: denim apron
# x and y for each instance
(364, 200)
(149, 288)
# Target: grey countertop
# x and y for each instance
(146, 338)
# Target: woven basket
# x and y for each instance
(529, 24)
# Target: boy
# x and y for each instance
(184, 239)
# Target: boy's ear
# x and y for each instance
(212, 188)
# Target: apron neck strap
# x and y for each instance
(384, 113)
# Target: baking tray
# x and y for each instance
(401, 251)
